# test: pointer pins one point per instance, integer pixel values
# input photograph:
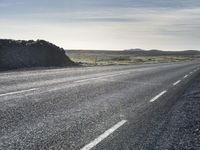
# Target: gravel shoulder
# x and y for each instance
(181, 127)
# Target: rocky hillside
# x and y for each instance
(28, 54)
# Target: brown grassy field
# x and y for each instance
(119, 58)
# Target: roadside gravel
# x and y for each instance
(181, 128)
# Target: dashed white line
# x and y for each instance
(103, 136)
(177, 82)
(185, 76)
(157, 96)
(102, 77)
(85, 80)
(18, 92)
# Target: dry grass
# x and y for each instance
(124, 59)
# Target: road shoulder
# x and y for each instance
(181, 126)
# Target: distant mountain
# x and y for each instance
(134, 52)
(160, 52)
(25, 54)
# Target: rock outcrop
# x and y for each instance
(28, 54)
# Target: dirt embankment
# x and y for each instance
(29, 54)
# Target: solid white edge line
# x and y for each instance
(103, 136)
(177, 82)
(18, 92)
(157, 96)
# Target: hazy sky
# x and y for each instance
(104, 24)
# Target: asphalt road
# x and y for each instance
(111, 107)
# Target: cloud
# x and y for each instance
(157, 24)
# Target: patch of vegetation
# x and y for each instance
(121, 59)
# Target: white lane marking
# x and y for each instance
(185, 76)
(157, 96)
(102, 77)
(85, 80)
(103, 136)
(18, 92)
(177, 82)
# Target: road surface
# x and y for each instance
(111, 107)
